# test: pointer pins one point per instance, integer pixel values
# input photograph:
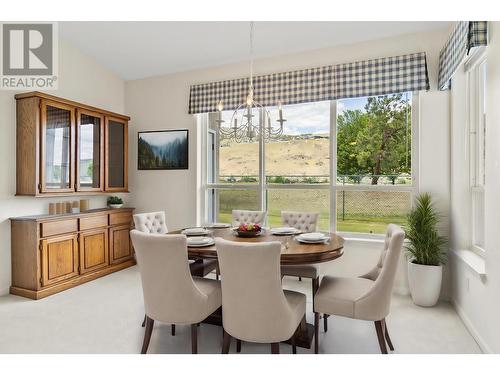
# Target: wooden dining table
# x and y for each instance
(293, 252)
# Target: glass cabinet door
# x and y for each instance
(116, 154)
(89, 151)
(57, 147)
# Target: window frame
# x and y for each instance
(262, 186)
(475, 147)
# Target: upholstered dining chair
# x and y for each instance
(171, 294)
(246, 217)
(367, 297)
(155, 222)
(305, 222)
(256, 308)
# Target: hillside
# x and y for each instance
(290, 157)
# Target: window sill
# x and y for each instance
(473, 261)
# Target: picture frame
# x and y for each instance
(163, 149)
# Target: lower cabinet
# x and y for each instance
(59, 259)
(51, 253)
(93, 250)
(120, 244)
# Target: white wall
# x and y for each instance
(478, 300)
(80, 79)
(161, 103)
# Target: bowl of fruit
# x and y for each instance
(248, 230)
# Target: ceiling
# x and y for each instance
(135, 50)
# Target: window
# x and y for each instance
(476, 76)
(374, 168)
(349, 160)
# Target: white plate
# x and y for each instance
(301, 240)
(284, 230)
(218, 225)
(195, 231)
(314, 236)
(200, 242)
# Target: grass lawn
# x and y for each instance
(357, 225)
(364, 211)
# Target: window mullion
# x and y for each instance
(262, 158)
(333, 166)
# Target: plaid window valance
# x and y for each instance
(465, 35)
(363, 78)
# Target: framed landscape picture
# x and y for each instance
(163, 149)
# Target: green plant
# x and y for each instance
(115, 200)
(425, 245)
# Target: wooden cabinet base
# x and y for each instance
(70, 283)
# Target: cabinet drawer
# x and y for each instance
(120, 218)
(53, 228)
(93, 222)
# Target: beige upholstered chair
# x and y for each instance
(256, 308)
(367, 297)
(245, 217)
(305, 222)
(171, 294)
(151, 222)
(155, 222)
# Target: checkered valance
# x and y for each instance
(465, 35)
(387, 75)
(363, 78)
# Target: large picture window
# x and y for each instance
(349, 160)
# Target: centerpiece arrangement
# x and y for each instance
(248, 230)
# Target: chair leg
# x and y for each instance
(217, 272)
(144, 321)
(300, 278)
(293, 340)
(194, 338)
(172, 329)
(387, 337)
(315, 287)
(226, 343)
(238, 346)
(325, 322)
(379, 326)
(275, 348)
(147, 334)
(316, 332)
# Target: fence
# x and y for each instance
(357, 211)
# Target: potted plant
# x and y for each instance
(426, 252)
(115, 202)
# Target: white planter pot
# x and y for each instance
(115, 205)
(425, 283)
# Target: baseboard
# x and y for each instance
(470, 327)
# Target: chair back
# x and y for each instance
(247, 217)
(254, 307)
(375, 304)
(303, 221)
(170, 295)
(151, 222)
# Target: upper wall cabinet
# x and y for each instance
(116, 154)
(65, 148)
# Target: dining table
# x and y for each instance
(293, 252)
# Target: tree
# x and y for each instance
(375, 141)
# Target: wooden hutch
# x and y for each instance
(65, 148)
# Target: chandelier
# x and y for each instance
(243, 127)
